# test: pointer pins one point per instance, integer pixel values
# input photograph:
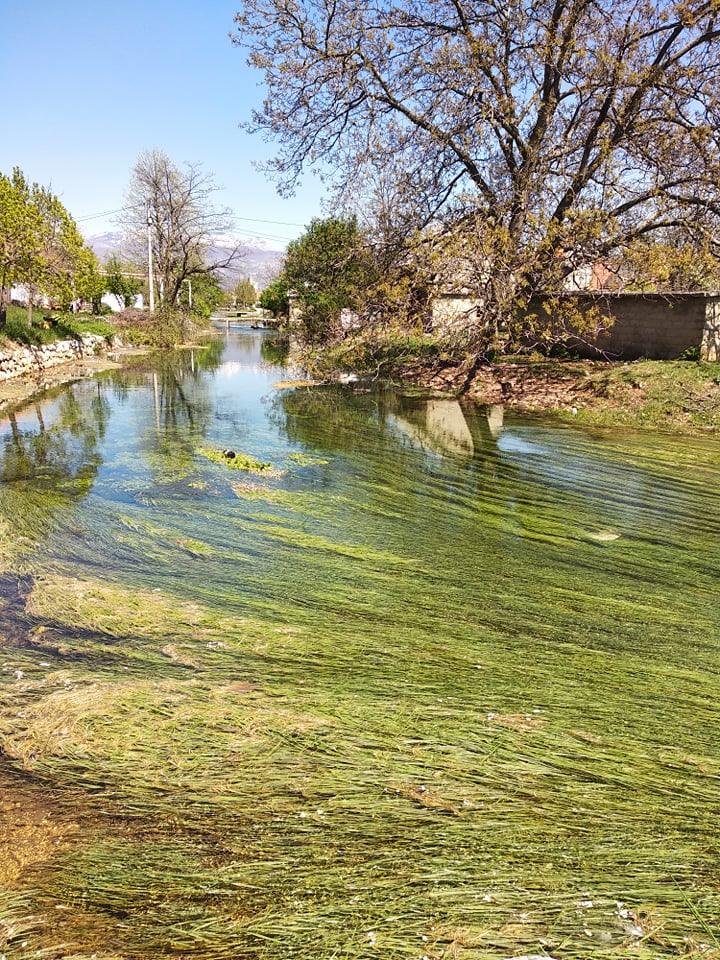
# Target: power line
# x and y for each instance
(263, 236)
(277, 223)
(94, 216)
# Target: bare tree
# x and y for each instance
(186, 226)
(528, 137)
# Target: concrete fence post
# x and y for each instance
(295, 322)
(710, 345)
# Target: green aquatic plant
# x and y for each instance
(407, 705)
(307, 460)
(234, 460)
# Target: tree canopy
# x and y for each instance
(41, 246)
(519, 140)
(244, 293)
(328, 267)
(186, 224)
(275, 296)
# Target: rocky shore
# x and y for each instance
(33, 361)
(26, 371)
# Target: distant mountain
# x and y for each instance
(260, 262)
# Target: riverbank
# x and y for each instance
(677, 395)
(34, 381)
(60, 349)
(673, 395)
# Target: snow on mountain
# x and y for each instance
(261, 259)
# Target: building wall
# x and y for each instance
(452, 313)
(117, 305)
(652, 325)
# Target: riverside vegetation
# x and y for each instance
(668, 395)
(435, 688)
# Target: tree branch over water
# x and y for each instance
(547, 134)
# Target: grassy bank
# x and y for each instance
(134, 327)
(662, 394)
(48, 326)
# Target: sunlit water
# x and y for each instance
(445, 684)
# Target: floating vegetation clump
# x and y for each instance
(307, 460)
(294, 384)
(414, 704)
(235, 460)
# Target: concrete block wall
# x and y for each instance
(657, 326)
(654, 326)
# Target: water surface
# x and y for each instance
(445, 684)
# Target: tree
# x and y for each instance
(68, 268)
(524, 139)
(207, 295)
(275, 297)
(21, 229)
(122, 280)
(329, 267)
(90, 281)
(245, 294)
(185, 223)
(40, 244)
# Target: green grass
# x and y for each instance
(662, 394)
(49, 326)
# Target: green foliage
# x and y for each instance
(41, 246)
(329, 267)
(245, 294)
(207, 295)
(169, 327)
(275, 297)
(21, 229)
(387, 353)
(120, 282)
(654, 266)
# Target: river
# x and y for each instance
(440, 682)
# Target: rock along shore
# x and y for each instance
(33, 361)
(26, 372)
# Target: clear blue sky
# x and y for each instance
(88, 84)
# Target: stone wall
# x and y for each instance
(32, 361)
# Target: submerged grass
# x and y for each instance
(406, 705)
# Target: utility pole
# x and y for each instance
(190, 294)
(151, 286)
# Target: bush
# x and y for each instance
(165, 328)
(382, 353)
